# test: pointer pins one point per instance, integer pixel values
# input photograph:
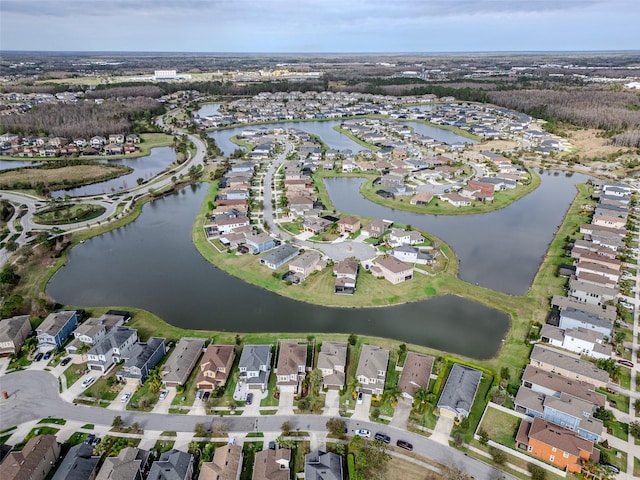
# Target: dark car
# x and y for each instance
(65, 361)
(38, 357)
(611, 467)
(272, 445)
(382, 437)
(404, 444)
(626, 363)
(249, 398)
(47, 355)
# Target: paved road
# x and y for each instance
(34, 395)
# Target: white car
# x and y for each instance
(88, 381)
(163, 394)
(125, 398)
(363, 433)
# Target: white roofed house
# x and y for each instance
(399, 237)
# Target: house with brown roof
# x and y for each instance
(292, 365)
(13, 332)
(332, 361)
(415, 374)
(306, 264)
(34, 462)
(372, 369)
(548, 383)
(376, 228)
(348, 225)
(346, 272)
(215, 366)
(555, 444)
(272, 464)
(226, 464)
(392, 269)
(568, 365)
(179, 365)
(421, 198)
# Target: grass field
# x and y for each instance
(69, 175)
(500, 426)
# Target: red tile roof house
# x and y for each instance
(215, 366)
(348, 225)
(292, 365)
(557, 445)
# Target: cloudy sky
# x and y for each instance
(320, 25)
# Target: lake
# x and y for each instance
(152, 264)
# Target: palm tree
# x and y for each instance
(392, 393)
(420, 399)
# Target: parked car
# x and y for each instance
(65, 361)
(163, 394)
(404, 444)
(626, 363)
(361, 432)
(611, 467)
(272, 445)
(382, 437)
(249, 398)
(125, 398)
(47, 355)
(38, 357)
(199, 395)
(360, 398)
(88, 381)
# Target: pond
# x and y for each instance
(500, 250)
(152, 264)
(143, 167)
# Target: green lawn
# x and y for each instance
(74, 372)
(479, 405)
(56, 421)
(105, 388)
(613, 455)
(621, 402)
(34, 433)
(500, 426)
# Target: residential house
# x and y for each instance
(279, 256)
(566, 411)
(415, 374)
(574, 318)
(456, 199)
(332, 361)
(78, 464)
(609, 221)
(13, 332)
(299, 204)
(595, 257)
(117, 138)
(348, 225)
(584, 266)
(113, 149)
(226, 464)
(323, 466)
(579, 340)
(255, 365)
(376, 229)
(142, 359)
(131, 463)
(392, 269)
(346, 272)
(315, 225)
(97, 142)
(399, 237)
(568, 365)
(589, 293)
(548, 383)
(56, 328)
(259, 242)
(272, 464)
(409, 254)
(557, 445)
(306, 264)
(92, 330)
(179, 365)
(606, 312)
(117, 345)
(215, 366)
(172, 465)
(34, 462)
(459, 392)
(292, 365)
(132, 138)
(226, 223)
(421, 197)
(372, 369)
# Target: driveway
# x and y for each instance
(362, 410)
(401, 415)
(73, 391)
(163, 405)
(118, 404)
(285, 404)
(442, 432)
(332, 403)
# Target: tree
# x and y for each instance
(603, 414)
(504, 374)
(484, 436)
(154, 380)
(353, 338)
(634, 429)
(200, 430)
(219, 428)
(314, 380)
(336, 427)
(286, 428)
(420, 399)
(537, 472)
(498, 455)
(117, 422)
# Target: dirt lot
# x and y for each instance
(496, 145)
(588, 144)
(401, 470)
(56, 176)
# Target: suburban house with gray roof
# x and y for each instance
(279, 256)
(415, 374)
(332, 361)
(407, 253)
(589, 293)
(92, 330)
(372, 369)
(142, 359)
(306, 264)
(346, 272)
(255, 365)
(323, 466)
(292, 365)
(579, 340)
(56, 328)
(459, 392)
(78, 464)
(548, 383)
(398, 237)
(130, 464)
(179, 365)
(259, 242)
(573, 318)
(215, 366)
(608, 312)
(13, 332)
(172, 465)
(568, 365)
(115, 346)
(225, 465)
